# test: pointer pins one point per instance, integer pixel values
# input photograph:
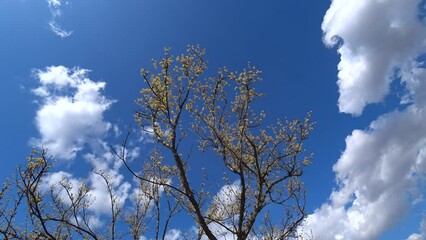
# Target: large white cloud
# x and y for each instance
(376, 36)
(70, 119)
(378, 172)
(375, 173)
(71, 111)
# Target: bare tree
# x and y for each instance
(63, 210)
(267, 161)
(48, 215)
(262, 165)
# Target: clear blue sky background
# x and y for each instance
(114, 39)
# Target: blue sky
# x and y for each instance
(355, 64)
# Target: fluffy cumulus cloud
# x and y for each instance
(379, 171)
(56, 13)
(376, 173)
(374, 37)
(69, 120)
(71, 111)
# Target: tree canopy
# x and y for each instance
(262, 166)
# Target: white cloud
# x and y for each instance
(415, 236)
(377, 37)
(422, 234)
(107, 165)
(412, 76)
(379, 171)
(58, 30)
(146, 135)
(220, 232)
(56, 13)
(69, 119)
(224, 205)
(173, 234)
(99, 195)
(52, 180)
(375, 174)
(71, 111)
(54, 3)
(58, 181)
(60, 76)
(117, 130)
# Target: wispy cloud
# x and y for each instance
(380, 43)
(56, 13)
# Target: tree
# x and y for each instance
(262, 164)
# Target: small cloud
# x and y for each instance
(56, 13)
(146, 135)
(173, 234)
(422, 234)
(54, 3)
(117, 131)
(58, 30)
(40, 91)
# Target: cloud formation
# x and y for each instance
(224, 205)
(108, 166)
(70, 120)
(374, 173)
(375, 37)
(173, 234)
(99, 200)
(56, 13)
(71, 111)
(421, 235)
(378, 173)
